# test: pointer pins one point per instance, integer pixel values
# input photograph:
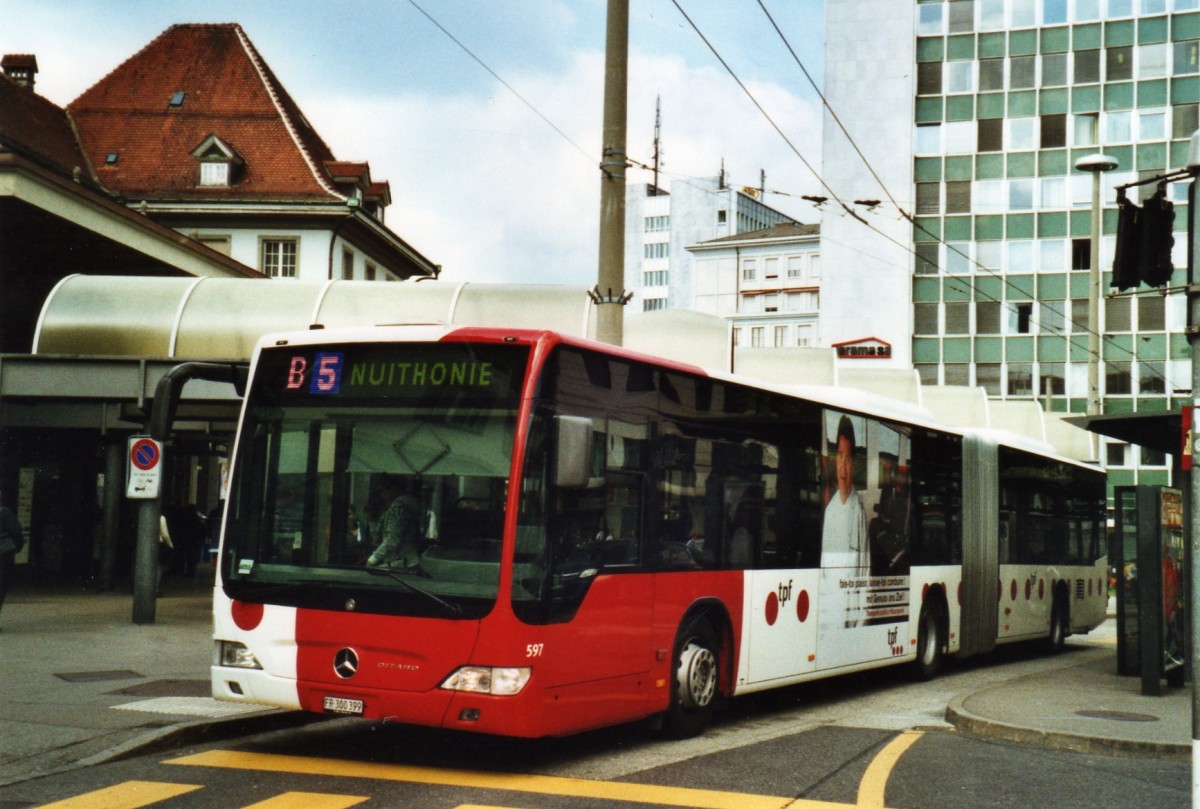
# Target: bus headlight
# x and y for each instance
(235, 655)
(504, 682)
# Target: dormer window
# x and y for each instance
(218, 162)
(176, 100)
(214, 173)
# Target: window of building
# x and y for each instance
(1187, 58)
(1054, 12)
(925, 319)
(1120, 8)
(1022, 134)
(1152, 313)
(1020, 194)
(929, 78)
(1116, 127)
(991, 74)
(1152, 61)
(1020, 257)
(990, 255)
(779, 334)
(1051, 316)
(1054, 193)
(1022, 72)
(1153, 457)
(1087, 10)
(1054, 69)
(991, 15)
(814, 267)
(756, 337)
(929, 198)
(958, 318)
(1080, 322)
(929, 139)
(1119, 64)
(926, 258)
(987, 317)
(1152, 377)
(1087, 67)
(991, 134)
(214, 173)
(958, 196)
(1020, 317)
(990, 196)
(656, 304)
(654, 278)
(930, 19)
(955, 373)
(1116, 315)
(771, 267)
(960, 77)
(1185, 119)
(1152, 125)
(277, 257)
(347, 265)
(1024, 13)
(959, 137)
(749, 269)
(958, 258)
(371, 272)
(987, 376)
(804, 335)
(1054, 131)
(1052, 255)
(1085, 128)
(962, 16)
(1117, 378)
(656, 249)
(771, 302)
(1051, 379)
(1081, 254)
(1114, 453)
(1019, 379)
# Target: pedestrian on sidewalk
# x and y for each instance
(12, 540)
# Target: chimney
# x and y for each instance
(20, 67)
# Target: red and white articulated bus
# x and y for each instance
(515, 532)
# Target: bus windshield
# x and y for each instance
(373, 478)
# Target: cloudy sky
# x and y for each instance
(480, 182)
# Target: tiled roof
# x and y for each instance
(228, 91)
(38, 129)
(784, 230)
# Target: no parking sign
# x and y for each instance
(145, 467)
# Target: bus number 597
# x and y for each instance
(534, 649)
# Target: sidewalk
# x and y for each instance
(81, 684)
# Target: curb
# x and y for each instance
(964, 720)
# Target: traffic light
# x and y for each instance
(1144, 242)
(1129, 243)
(1158, 222)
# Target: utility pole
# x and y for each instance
(610, 324)
(657, 145)
(1096, 164)
(1193, 337)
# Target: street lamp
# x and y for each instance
(1096, 164)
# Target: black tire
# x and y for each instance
(930, 643)
(695, 680)
(1059, 626)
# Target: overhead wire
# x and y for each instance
(1088, 329)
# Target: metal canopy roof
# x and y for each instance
(1161, 431)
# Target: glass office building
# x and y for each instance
(1004, 96)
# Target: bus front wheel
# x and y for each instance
(929, 643)
(694, 680)
(1059, 626)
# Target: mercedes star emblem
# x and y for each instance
(345, 663)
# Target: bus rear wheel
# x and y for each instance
(929, 643)
(1059, 629)
(694, 681)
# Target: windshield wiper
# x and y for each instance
(453, 609)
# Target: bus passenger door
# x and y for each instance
(781, 618)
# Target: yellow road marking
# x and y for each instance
(127, 795)
(308, 800)
(874, 780)
(514, 782)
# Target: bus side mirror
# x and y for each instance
(572, 451)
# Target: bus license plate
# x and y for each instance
(342, 705)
